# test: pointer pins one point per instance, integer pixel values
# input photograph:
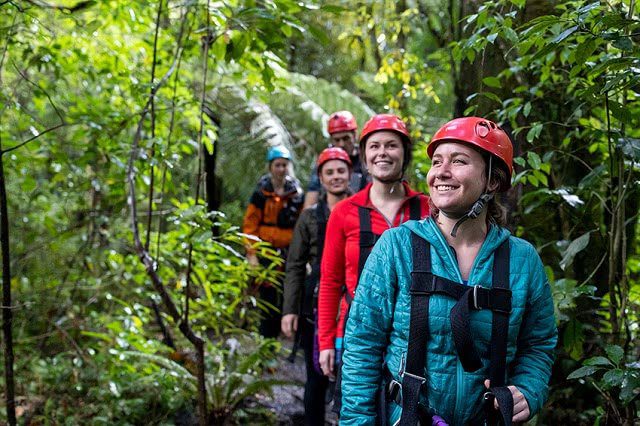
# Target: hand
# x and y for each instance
(253, 260)
(520, 405)
(327, 358)
(289, 324)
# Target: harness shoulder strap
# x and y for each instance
(367, 237)
(498, 351)
(413, 375)
(415, 208)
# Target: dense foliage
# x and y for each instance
(124, 255)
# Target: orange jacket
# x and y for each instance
(271, 217)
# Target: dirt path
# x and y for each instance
(287, 401)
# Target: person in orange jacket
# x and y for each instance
(357, 222)
(271, 215)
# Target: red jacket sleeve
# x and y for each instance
(332, 278)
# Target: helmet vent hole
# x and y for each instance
(482, 129)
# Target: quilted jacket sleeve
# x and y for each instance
(368, 329)
(531, 369)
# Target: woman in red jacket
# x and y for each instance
(355, 224)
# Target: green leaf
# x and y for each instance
(621, 112)
(333, 8)
(319, 34)
(534, 132)
(615, 353)
(492, 82)
(584, 50)
(630, 386)
(573, 338)
(630, 147)
(613, 377)
(286, 30)
(574, 248)
(583, 372)
(598, 360)
(563, 35)
(534, 160)
(624, 44)
(492, 96)
(589, 7)
(526, 109)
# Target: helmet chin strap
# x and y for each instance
(477, 207)
(473, 213)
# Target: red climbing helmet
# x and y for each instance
(341, 121)
(333, 153)
(479, 132)
(384, 122)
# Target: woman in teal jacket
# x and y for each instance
(473, 300)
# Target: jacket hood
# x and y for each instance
(428, 229)
(291, 186)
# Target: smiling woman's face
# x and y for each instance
(457, 177)
(384, 154)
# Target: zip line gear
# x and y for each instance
(497, 299)
(489, 138)
(341, 121)
(392, 123)
(384, 122)
(333, 153)
(278, 152)
(481, 133)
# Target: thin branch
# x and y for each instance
(70, 9)
(173, 115)
(43, 90)
(153, 126)
(6, 45)
(21, 144)
(150, 265)
(200, 157)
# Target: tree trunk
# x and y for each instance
(7, 314)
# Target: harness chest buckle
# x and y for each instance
(496, 299)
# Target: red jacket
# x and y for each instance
(341, 255)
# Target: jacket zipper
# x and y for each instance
(459, 370)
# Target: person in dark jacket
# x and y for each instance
(272, 213)
(453, 314)
(303, 274)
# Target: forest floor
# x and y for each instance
(287, 401)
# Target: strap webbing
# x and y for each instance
(500, 325)
(498, 351)
(415, 208)
(497, 299)
(367, 237)
(412, 379)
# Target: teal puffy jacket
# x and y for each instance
(379, 325)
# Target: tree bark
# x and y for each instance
(7, 313)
